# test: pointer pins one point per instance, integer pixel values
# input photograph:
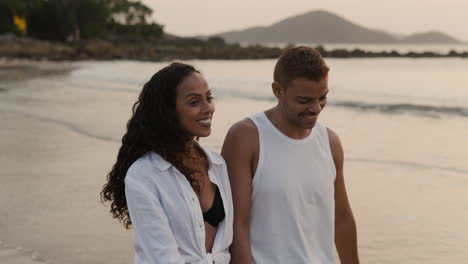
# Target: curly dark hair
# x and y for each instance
(154, 126)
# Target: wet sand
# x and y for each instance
(50, 184)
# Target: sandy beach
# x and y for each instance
(406, 175)
(51, 182)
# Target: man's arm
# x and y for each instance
(345, 226)
(238, 151)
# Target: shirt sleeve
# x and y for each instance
(151, 225)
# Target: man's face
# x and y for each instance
(302, 101)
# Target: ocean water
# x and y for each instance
(401, 48)
(403, 124)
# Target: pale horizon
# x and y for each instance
(193, 18)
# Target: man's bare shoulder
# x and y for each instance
(242, 137)
(244, 127)
(335, 146)
(333, 137)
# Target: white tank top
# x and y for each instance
(293, 207)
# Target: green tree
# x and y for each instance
(10, 8)
(62, 19)
(130, 19)
(6, 19)
(127, 12)
(53, 20)
(91, 18)
(21, 7)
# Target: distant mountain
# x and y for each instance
(432, 37)
(325, 27)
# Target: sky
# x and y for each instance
(205, 17)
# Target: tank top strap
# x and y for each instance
(259, 119)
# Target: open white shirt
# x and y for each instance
(166, 213)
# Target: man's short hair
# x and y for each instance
(300, 62)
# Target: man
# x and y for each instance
(286, 173)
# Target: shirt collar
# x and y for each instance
(163, 164)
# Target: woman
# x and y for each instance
(174, 192)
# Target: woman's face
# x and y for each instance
(195, 106)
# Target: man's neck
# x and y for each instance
(284, 126)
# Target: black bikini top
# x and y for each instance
(216, 213)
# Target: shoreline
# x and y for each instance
(22, 69)
(167, 49)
